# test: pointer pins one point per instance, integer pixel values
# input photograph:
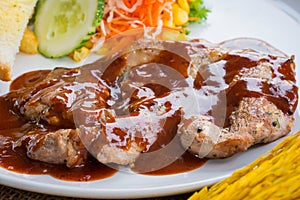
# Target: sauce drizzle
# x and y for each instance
(143, 88)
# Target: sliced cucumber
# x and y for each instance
(62, 26)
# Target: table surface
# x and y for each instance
(12, 193)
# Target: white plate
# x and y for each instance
(269, 20)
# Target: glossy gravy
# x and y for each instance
(13, 127)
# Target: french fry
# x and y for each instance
(275, 175)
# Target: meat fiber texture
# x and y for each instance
(237, 102)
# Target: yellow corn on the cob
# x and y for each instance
(275, 175)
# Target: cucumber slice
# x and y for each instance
(63, 26)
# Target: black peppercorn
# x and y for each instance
(274, 123)
(199, 130)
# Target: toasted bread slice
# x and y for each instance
(14, 16)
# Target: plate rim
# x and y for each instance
(20, 181)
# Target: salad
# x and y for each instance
(83, 26)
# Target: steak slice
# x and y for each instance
(218, 101)
(62, 146)
(259, 99)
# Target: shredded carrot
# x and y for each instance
(152, 17)
(125, 15)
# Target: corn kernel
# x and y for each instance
(89, 44)
(80, 54)
(184, 5)
(29, 42)
(180, 16)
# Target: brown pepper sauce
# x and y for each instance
(12, 126)
(15, 159)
